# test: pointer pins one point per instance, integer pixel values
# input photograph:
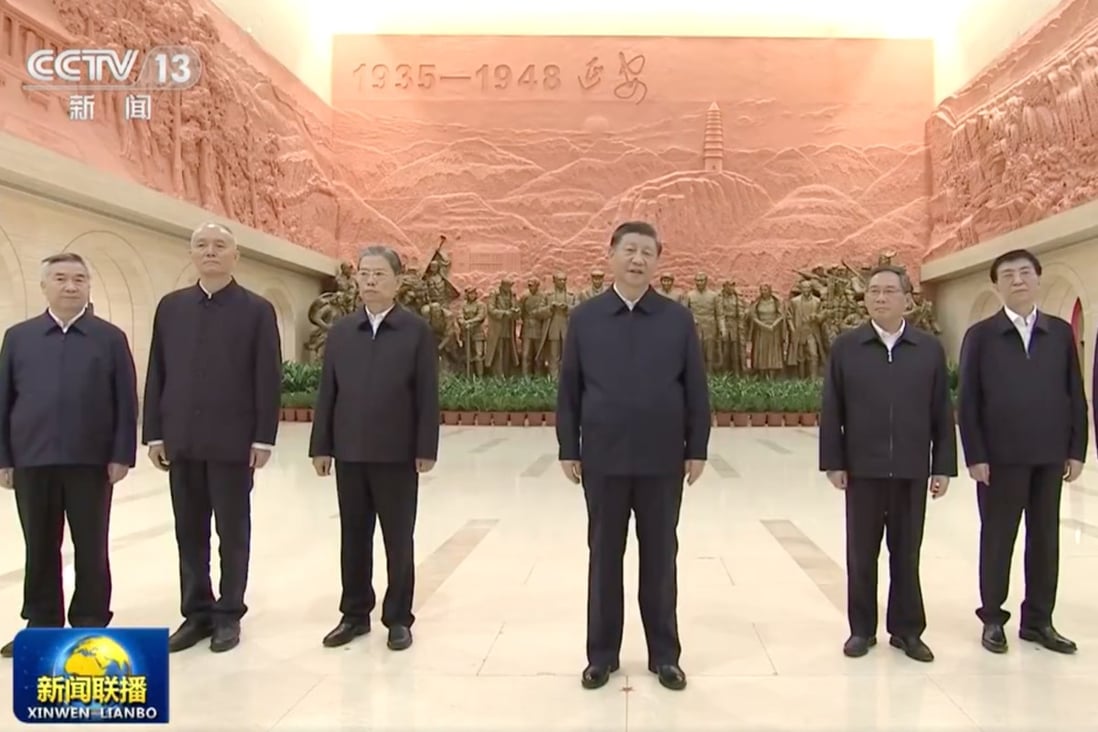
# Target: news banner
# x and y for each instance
(91, 675)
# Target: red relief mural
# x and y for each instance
(249, 141)
(1018, 142)
(753, 157)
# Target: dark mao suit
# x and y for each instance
(1024, 413)
(887, 420)
(68, 408)
(377, 412)
(213, 391)
(632, 406)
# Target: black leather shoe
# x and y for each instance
(225, 637)
(993, 638)
(595, 676)
(400, 638)
(913, 647)
(671, 676)
(8, 650)
(857, 646)
(1049, 638)
(190, 633)
(344, 633)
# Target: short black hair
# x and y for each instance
(905, 281)
(635, 227)
(387, 253)
(1014, 255)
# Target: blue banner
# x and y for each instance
(91, 675)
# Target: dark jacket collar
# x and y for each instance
(395, 318)
(228, 293)
(910, 334)
(49, 324)
(613, 303)
(1006, 325)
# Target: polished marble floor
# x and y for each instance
(499, 638)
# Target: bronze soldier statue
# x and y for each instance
(733, 353)
(412, 292)
(533, 311)
(330, 307)
(805, 334)
(473, 315)
(444, 324)
(705, 304)
(501, 354)
(438, 289)
(560, 304)
(598, 285)
(667, 288)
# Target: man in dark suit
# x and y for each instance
(211, 416)
(632, 423)
(377, 418)
(887, 437)
(68, 433)
(1023, 419)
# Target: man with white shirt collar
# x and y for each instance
(887, 438)
(212, 394)
(633, 425)
(377, 420)
(68, 433)
(1023, 420)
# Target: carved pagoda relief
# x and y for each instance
(392, 160)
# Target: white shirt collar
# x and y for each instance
(1017, 319)
(628, 303)
(375, 319)
(63, 325)
(885, 335)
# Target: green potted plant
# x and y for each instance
(786, 397)
(538, 396)
(754, 400)
(449, 396)
(287, 413)
(722, 399)
(809, 398)
(305, 406)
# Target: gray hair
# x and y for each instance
(386, 253)
(62, 258)
(213, 225)
(905, 281)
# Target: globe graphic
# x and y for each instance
(94, 656)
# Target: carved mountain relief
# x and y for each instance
(759, 161)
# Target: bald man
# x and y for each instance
(211, 415)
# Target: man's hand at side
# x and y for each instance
(572, 470)
(693, 470)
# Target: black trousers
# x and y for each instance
(1036, 491)
(370, 493)
(897, 510)
(221, 491)
(45, 497)
(655, 501)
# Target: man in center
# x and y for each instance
(633, 424)
(377, 419)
